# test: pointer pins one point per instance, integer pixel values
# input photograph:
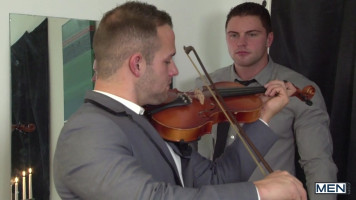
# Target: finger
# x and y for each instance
(291, 89)
(264, 98)
(289, 85)
(301, 190)
(275, 90)
(270, 89)
(301, 193)
(270, 86)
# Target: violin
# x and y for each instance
(200, 116)
(186, 116)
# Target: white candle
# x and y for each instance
(23, 185)
(30, 183)
(11, 183)
(16, 188)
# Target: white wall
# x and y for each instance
(198, 23)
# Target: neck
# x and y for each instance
(117, 89)
(250, 71)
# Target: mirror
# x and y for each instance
(51, 69)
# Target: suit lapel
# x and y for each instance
(154, 136)
(160, 144)
(116, 108)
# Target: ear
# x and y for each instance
(269, 39)
(136, 64)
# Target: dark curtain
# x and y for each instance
(30, 108)
(318, 39)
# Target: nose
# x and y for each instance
(173, 70)
(241, 41)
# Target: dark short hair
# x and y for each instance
(254, 9)
(124, 30)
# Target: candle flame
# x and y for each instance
(30, 170)
(23, 173)
(16, 180)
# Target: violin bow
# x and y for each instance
(232, 120)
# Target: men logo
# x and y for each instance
(332, 188)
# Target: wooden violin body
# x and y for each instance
(185, 117)
(190, 117)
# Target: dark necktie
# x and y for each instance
(245, 83)
(223, 128)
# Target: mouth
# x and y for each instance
(242, 53)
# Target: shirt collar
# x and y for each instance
(130, 105)
(262, 77)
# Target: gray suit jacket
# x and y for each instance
(300, 124)
(105, 151)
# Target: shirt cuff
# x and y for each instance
(263, 122)
(258, 194)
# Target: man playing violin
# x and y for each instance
(248, 36)
(109, 150)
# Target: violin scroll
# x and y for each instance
(306, 94)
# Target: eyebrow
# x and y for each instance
(249, 31)
(171, 55)
(254, 31)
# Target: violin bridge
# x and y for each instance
(198, 94)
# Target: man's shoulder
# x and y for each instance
(221, 73)
(286, 73)
(216, 76)
(222, 70)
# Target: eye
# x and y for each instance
(233, 35)
(252, 34)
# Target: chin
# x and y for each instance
(159, 98)
(164, 97)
